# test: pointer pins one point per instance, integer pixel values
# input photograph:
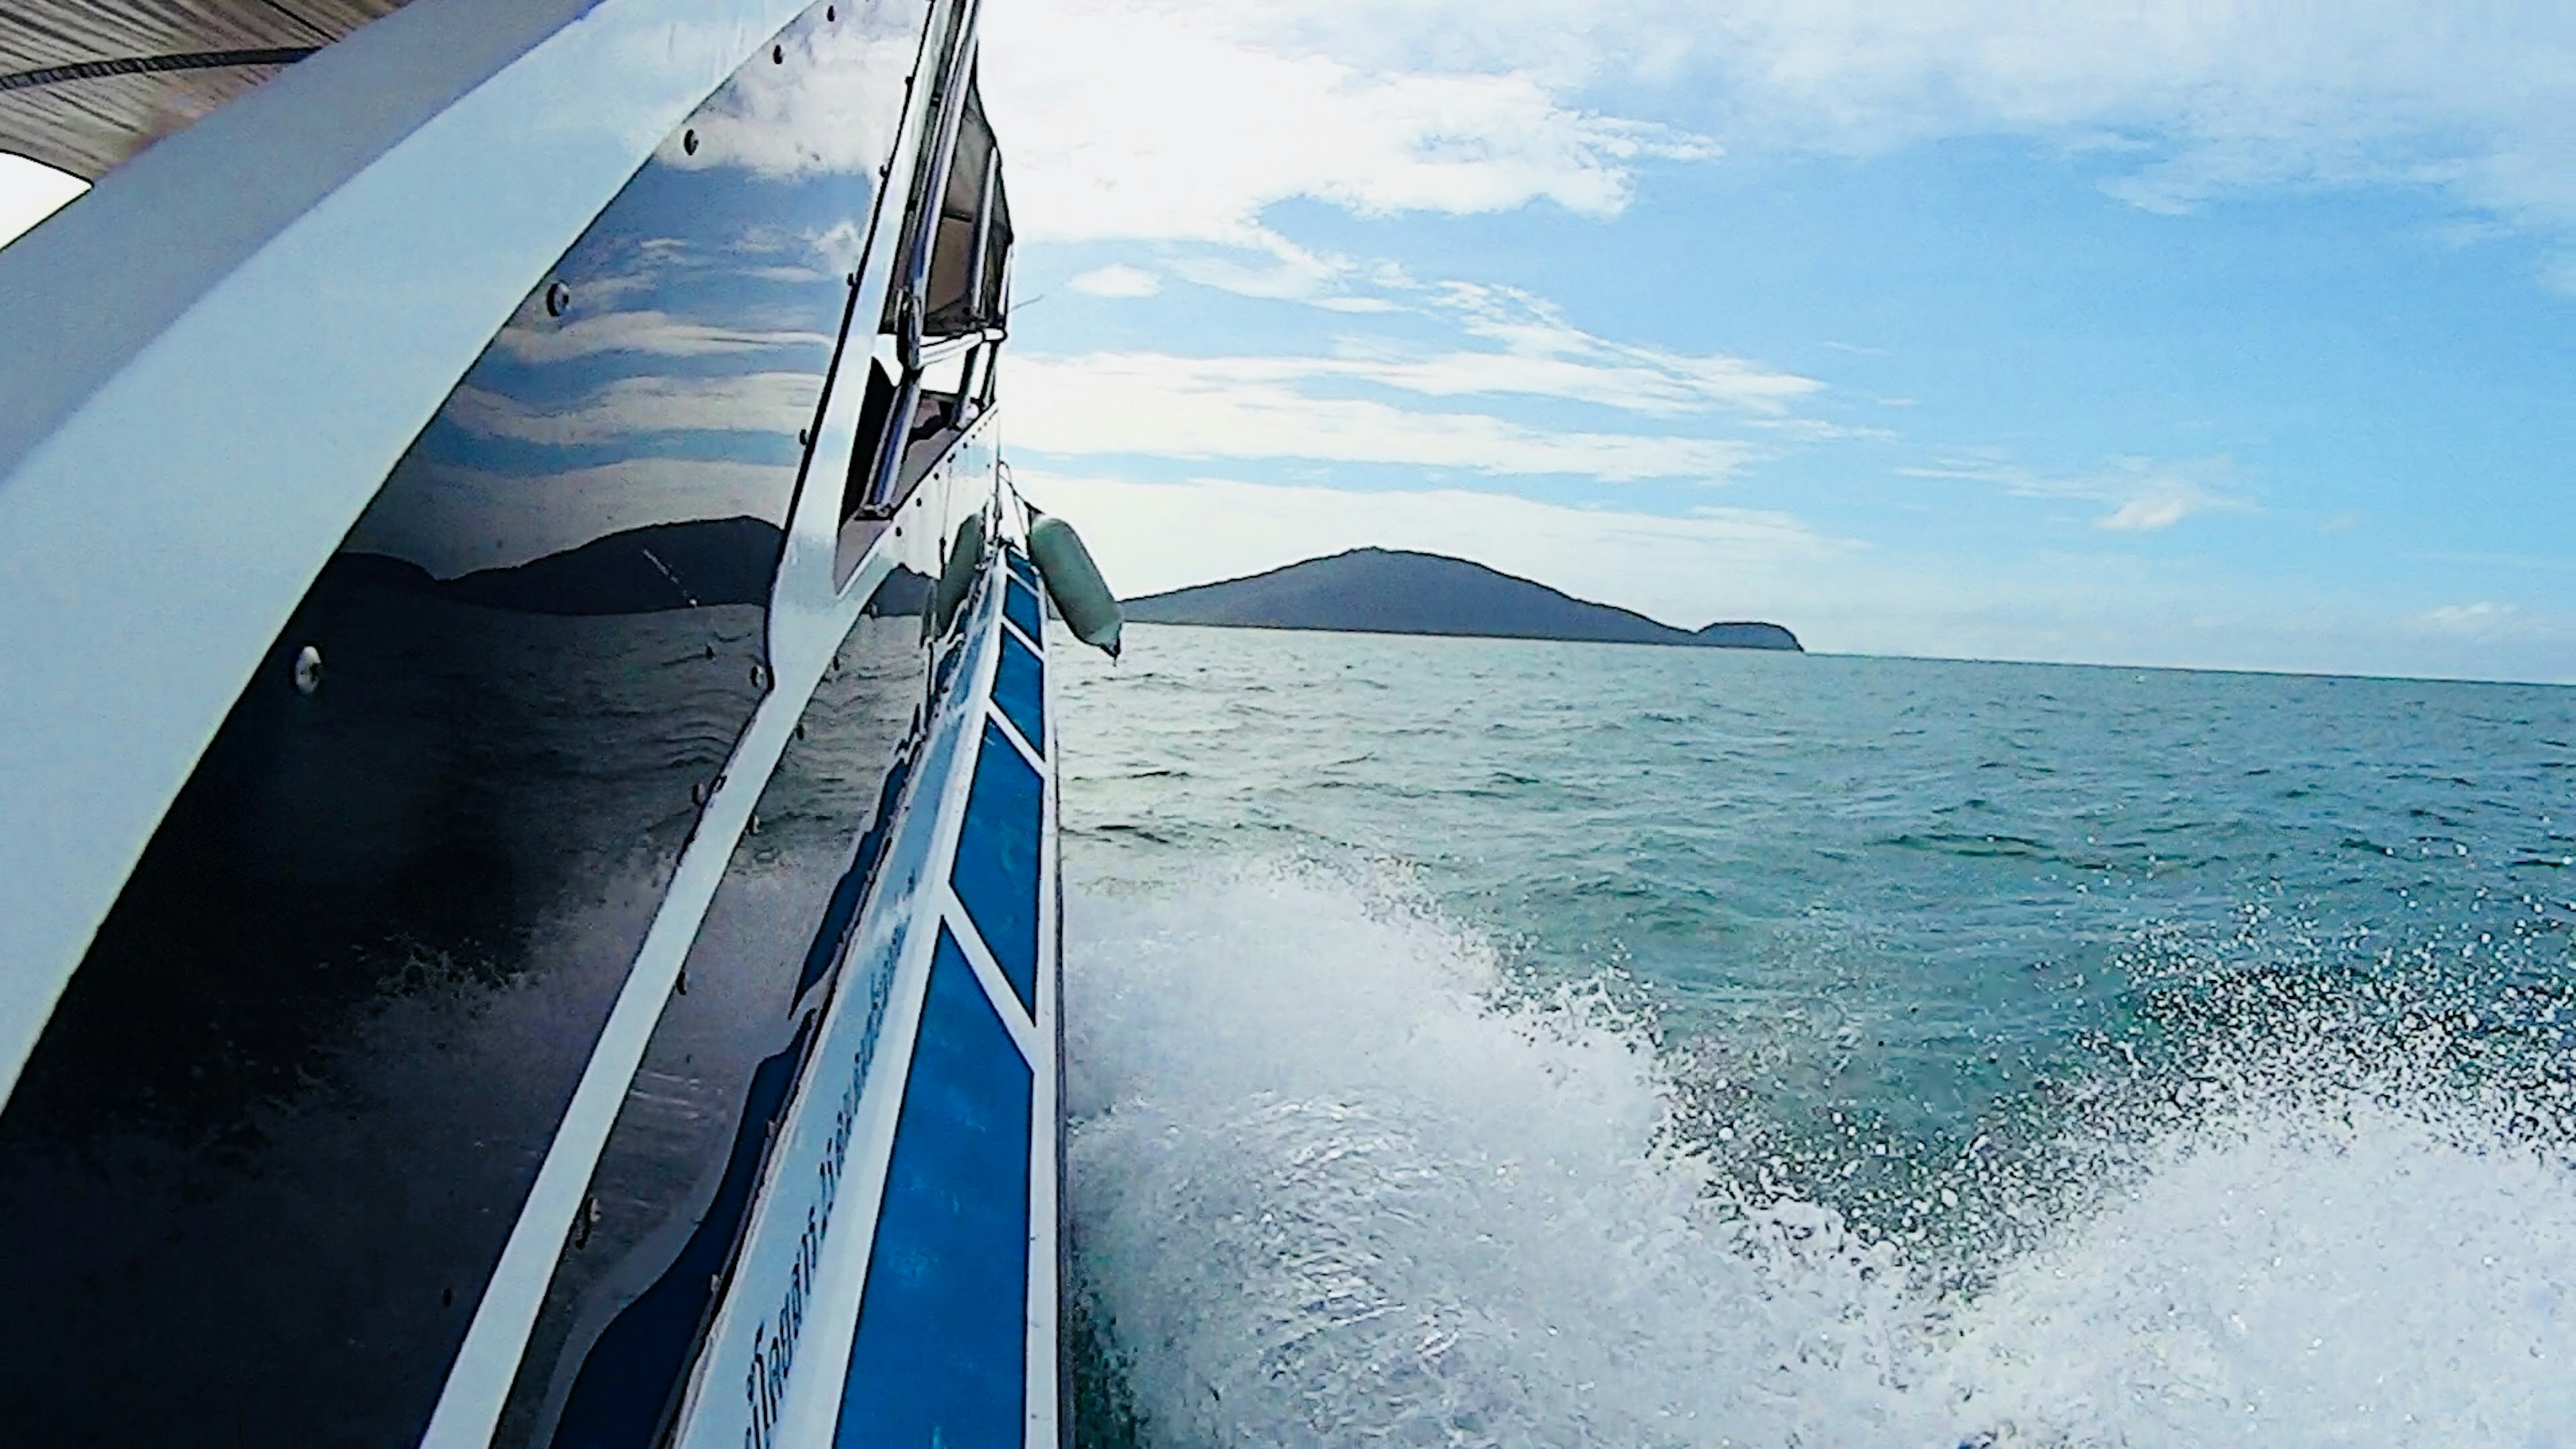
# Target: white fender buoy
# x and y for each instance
(957, 575)
(1082, 597)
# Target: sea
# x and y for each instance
(1491, 1042)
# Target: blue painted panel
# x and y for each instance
(941, 1352)
(996, 874)
(1019, 687)
(1021, 604)
(1021, 568)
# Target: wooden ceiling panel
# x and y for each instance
(85, 84)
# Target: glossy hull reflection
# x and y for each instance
(670, 1195)
(287, 1114)
(295, 1093)
(521, 1026)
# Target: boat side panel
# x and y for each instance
(275, 1134)
(841, 1197)
(806, 1242)
(218, 353)
(658, 1223)
(957, 1304)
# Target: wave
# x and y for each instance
(1339, 1174)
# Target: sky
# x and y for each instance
(2213, 333)
(2162, 332)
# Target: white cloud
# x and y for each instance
(1267, 264)
(752, 403)
(1641, 382)
(1161, 118)
(1557, 362)
(2482, 617)
(2209, 98)
(2144, 495)
(1156, 118)
(1299, 406)
(1714, 563)
(529, 338)
(1117, 281)
(832, 105)
(2496, 627)
(1181, 407)
(30, 191)
(841, 245)
(1544, 353)
(2160, 506)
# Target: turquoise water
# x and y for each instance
(1486, 1042)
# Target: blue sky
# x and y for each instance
(2156, 332)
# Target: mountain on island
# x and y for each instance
(699, 563)
(1389, 591)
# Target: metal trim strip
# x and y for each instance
(1046, 1427)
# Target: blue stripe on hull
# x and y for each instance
(997, 860)
(941, 1353)
(1019, 688)
(1020, 606)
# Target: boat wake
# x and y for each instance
(1338, 1177)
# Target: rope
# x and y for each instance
(53, 75)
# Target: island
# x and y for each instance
(1392, 591)
(695, 563)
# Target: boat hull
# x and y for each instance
(528, 800)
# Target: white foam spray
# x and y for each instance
(2341, 1269)
(1331, 1186)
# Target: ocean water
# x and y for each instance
(1503, 1043)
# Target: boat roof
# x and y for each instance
(85, 84)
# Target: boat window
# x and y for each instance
(942, 323)
(964, 294)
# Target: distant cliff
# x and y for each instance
(1386, 591)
